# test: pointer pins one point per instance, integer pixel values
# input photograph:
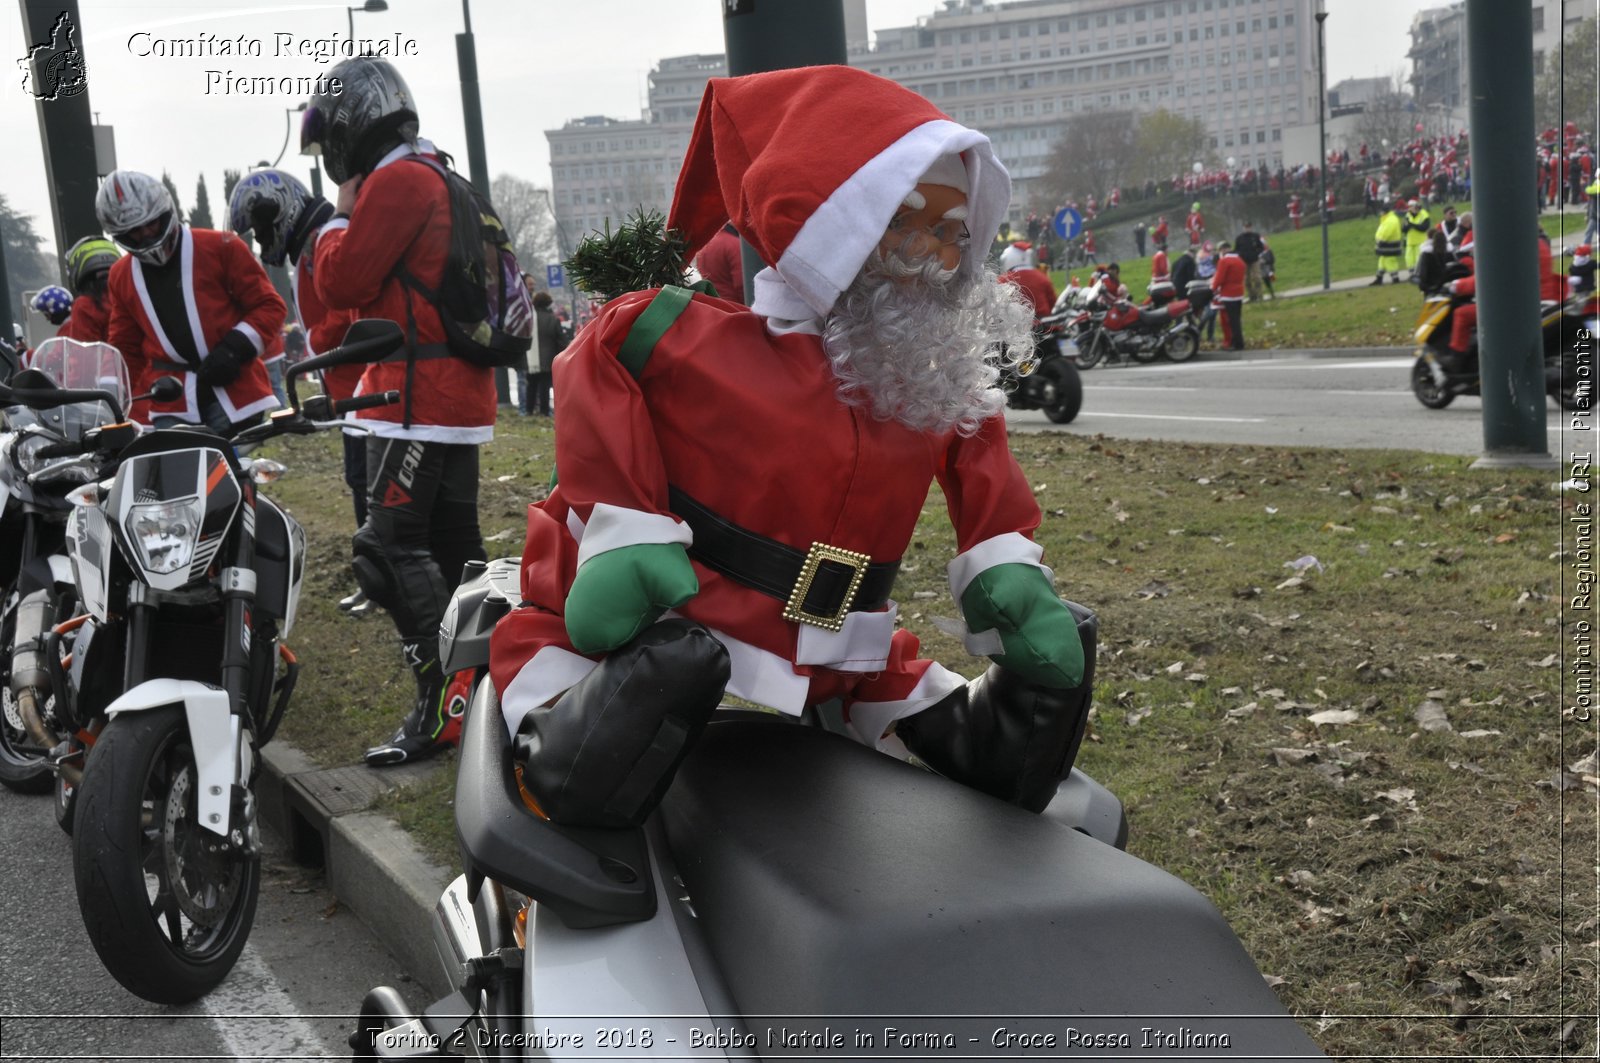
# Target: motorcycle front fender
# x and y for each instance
(213, 735)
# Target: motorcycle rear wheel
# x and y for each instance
(1182, 346)
(167, 904)
(20, 772)
(1427, 390)
(1069, 390)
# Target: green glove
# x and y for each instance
(1038, 634)
(621, 592)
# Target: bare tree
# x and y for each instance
(1390, 115)
(1566, 88)
(525, 212)
(1093, 154)
(1170, 144)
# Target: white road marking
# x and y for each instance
(256, 1019)
(1133, 387)
(1289, 363)
(1176, 417)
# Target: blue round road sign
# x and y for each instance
(1067, 223)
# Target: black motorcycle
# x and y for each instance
(1049, 381)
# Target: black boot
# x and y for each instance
(425, 730)
(607, 750)
(1005, 736)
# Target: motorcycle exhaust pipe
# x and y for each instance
(33, 723)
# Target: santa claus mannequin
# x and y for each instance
(737, 485)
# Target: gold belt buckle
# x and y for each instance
(820, 552)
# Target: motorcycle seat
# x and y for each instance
(829, 879)
(1156, 318)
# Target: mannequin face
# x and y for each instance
(937, 228)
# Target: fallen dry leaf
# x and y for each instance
(1334, 717)
(1430, 716)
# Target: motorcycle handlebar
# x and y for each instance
(65, 450)
(49, 398)
(322, 408)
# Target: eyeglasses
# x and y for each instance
(947, 233)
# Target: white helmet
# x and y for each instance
(138, 212)
(1016, 256)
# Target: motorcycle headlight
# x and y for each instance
(27, 453)
(165, 533)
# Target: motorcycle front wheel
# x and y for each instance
(1183, 345)
(20, 772)
(1428, 391)
(1069, 390)
(167, 904)
(1089, 354)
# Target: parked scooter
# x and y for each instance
(794, 881)
(35, 479)
(1439, 374)
(175, 678)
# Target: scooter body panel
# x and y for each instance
(213, 735)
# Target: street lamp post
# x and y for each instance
(372, 7)
(1322, 143)
(561, 253)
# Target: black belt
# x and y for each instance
(818, 586)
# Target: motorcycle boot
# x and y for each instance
(604, 753)
(1005, 736)
(430, 726)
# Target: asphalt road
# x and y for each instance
(1285, 400)
(301, 977)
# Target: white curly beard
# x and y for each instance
(916, 343)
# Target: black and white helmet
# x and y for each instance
(372, 113)
(138, 212)
(268, 203)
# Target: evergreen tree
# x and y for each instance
(28, 267)
(172, 190)
(230, 179)
(200, 216)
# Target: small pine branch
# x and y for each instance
(643, 253)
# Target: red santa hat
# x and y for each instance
(1581, 254)
(811, 164)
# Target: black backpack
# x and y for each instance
(482, 302)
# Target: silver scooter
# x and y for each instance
(797, 894)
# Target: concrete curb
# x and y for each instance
(372, 866)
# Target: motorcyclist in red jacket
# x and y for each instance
(388, 240)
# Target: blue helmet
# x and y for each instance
(268, 202)
(54, 302)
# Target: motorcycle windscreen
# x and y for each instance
(172, 511)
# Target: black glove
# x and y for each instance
(223, 364)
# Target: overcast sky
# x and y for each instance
(540, 63)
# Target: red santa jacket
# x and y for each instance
(1160, 271)
(750, 425)
(402, 217)
(224, 288)
(324, 330)
(1228, 281)
(90, 320)
(1036, 285)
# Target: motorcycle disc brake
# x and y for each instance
(199, 872)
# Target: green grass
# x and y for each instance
(1395, 872)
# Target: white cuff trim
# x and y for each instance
(245, 329)
(1012, 548)
(336, 223)
(869, 719)
(613, 527)
(547, 675)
